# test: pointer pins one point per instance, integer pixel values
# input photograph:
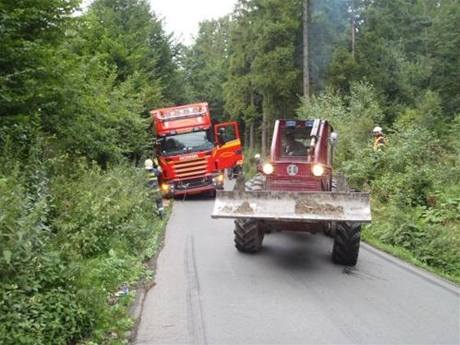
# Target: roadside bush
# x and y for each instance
(68, 243)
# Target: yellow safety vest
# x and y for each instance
(379, 143)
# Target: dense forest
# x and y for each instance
(75, 90)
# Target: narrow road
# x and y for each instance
(290, 293)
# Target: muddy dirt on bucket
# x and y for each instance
(303, 206)
(244, 208)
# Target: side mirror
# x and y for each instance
(333, 138)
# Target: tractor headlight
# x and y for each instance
(317, 170)
(268, 169)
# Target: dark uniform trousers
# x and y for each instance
(152, 181)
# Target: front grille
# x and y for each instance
(193, 183)
(191, 168)
(292, 184)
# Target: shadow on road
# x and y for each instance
(195, 197)
(298, 253)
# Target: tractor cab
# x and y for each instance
(300, 157)
(294, 140)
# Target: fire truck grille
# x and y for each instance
(193, 183)
(191, 168)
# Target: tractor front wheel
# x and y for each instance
(346, 244)
(248, 236)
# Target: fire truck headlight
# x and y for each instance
(220, 178)
(268, 169)
(317, 170)
(165, 188)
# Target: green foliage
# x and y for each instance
(205, 64)
(127, 35)
(444, 40)
(328, 32)
(361, 109)
(67, 245)
(88, 224)
(263, 74)
(403, 48)
(249, 166)
(342, 71)
(76, 222)
(29, 35)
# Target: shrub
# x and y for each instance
(68, 243)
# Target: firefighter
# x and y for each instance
(379, 139)
(222, 137)
(153, 172)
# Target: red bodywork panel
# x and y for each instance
(192, 173)
(294, 173)
(181, 119)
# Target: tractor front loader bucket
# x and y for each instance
(291, 206)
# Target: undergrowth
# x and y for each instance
(69, 243)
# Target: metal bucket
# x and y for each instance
(292, 206)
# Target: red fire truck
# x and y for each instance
(192, 151)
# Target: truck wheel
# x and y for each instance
(248, 236)
(346, 244)
(212, 194)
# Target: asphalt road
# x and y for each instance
(289, 293)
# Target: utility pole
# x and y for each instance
(306, 57)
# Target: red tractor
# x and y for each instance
(296, 190)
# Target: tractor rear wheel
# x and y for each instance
(248, 236)
(346, 244)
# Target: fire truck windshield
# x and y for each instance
(186, 142)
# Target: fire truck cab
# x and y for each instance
(193, 152)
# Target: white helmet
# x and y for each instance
(148, 164)
(377, 130)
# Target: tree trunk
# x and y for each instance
(267, 116)
(263, 139)
(251, 136)
(306, 58)
(245, 139)
(353, 30)
(252, 125)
